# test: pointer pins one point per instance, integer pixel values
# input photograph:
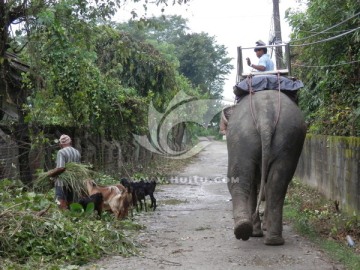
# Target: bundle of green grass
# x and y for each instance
(73, 177)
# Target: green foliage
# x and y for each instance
(107, 73)
(207, 132)
(55, 238)
(329, 69)
(73, 82)
(77, 208)
(202, 63)
(202, 60)
(83, 71)
(78, 94)
(73, 177)
(87, 75)
(163, 29)
(135, 63)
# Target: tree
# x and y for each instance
(326, 44)
(135, 63)
(204, 62)
(162, 29)
(197, 57)
(56, 34)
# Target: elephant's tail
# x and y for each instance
(266, 138)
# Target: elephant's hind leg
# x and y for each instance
(255, 217)
(257, 231)
(279, 177)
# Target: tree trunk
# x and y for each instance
(3, 40)
(12, 90)
(178, 134)
(23, 140)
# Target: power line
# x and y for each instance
(324, 66)
(327, 39)
(335, 65)
(313, 32)
(324, 31)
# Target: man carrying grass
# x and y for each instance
(64, 193)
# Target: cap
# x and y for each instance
(260, 46)
(260, 43)
(64, 139)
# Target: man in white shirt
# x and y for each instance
(265, 62)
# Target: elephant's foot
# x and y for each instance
(264, 225)
(273, 240)
(257, 232)
(243, 229)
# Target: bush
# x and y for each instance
(34, 232)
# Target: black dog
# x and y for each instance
(97, 199)
(149, 189)
(139, 191)
(128, 185)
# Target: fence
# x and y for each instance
(104, 155)
(332, 165)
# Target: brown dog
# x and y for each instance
(125, 202)
(112, 196)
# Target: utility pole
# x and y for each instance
(278, 38)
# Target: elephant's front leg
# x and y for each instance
(239, 191)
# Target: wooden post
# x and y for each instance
(278, 38)
(240, 68)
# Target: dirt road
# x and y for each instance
(192, 228)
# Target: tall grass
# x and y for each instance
(73, 177)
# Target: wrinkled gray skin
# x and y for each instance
(256, 148)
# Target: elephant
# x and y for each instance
(265, 136)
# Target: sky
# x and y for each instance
(234, 23)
